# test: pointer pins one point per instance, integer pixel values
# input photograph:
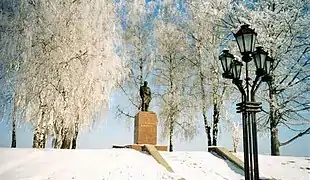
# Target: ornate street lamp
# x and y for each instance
(236, 68)
(268, 66)
(232, 68)
(226, 59)
(246, 38)
(260, 57)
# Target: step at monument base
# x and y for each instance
(141, 147)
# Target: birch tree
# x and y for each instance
(172, 79)
(69, 66)
(9, 61)
(137, 47)
(236, 132)
(282, 28)
(206, 30)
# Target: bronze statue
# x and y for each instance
(145, 94)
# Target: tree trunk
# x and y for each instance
(274, 136)
(140, 70)
(274, 140)
(13, 144)
(171, 104)
(171, 136)
(207, 130)
(216, 115)
(206, 124)
(76, 132)
(36, 135)
(66, 139)
(39, 137)
(54, 142)
(204, 109)
(235, 149)
(58, 126)
(43, 135)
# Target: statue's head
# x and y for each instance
(145, 83)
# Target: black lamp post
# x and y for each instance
(232, 68)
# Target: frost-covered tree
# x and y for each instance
(236, 133)
(138, 48)
(69, 66)
(207, 32)
(9, 61)
(173, 79)
(283, 30)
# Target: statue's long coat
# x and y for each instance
(145, 93)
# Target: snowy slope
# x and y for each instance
(283, 167)
(201, 165)
(121, 164)
(114, 164)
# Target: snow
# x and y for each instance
(119, 164)
(112, 164)
(283, 167)
(201, 165)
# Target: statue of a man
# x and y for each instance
(145, 94)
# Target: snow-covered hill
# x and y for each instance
(202, 165)
(119, 164)
(283, 167)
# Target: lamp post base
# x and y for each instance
(249, 110)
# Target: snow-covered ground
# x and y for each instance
(201, 165)
(283, 167)
(48, 164)
(119, 164)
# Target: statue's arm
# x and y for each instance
(149, 92)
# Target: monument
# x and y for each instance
(145, 128)
(145, 131)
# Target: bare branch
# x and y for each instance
(307, 131)
(124, 113)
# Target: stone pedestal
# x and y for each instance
(145, 131)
